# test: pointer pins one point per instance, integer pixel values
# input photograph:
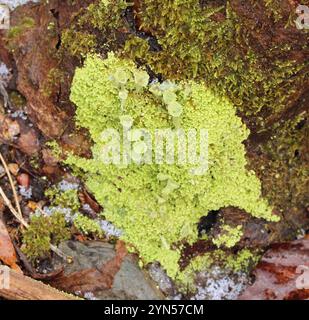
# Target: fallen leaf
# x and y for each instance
(86, 198)
(28, 141)
(14, 168)
(7, 251)
(282, 274)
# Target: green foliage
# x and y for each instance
(274, 7)
(17, 99)
(42, 232)
(105, 15)
(158, 206)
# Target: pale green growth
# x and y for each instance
(87, 226)
(141, 78)
(156, 205)
(229, 236)
(242, 260)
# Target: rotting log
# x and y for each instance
(21, 287)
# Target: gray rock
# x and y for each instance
(130, 283)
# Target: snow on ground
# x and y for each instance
(4, 71)
(218, 284)
(213, 284)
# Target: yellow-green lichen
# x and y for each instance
(228, 237)
(87, 226)
(64, 199)
(159, 205)
(243, 260)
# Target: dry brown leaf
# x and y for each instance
(86, 198)
(14, 168)
(7, 251)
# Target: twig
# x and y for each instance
(3, 92)
(26, 225)
(54, 248)
(14, 212)
(12, 186)
(18, 215)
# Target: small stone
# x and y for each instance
(130, 283)
(24, 180)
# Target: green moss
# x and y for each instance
(274, 8)
(55, 78)
(42, 232)
(17, 99)
(77, 43)
(105, 15)
(188, 40)
(64, 199)
(228, 237)
(284, 170)
(16, 31)
(159, 205)
(88, 226)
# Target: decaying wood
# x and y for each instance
(25, 288)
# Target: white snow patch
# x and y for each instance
(89, 296)
(214, 284)
(218, 284)
(25, 192)
(4, 72)
(65, 185)
(19, 114)
(109, 229)
(67, 212)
